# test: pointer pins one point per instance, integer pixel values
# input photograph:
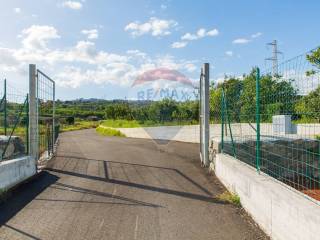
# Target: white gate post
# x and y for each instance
(33, 113)
(204, 113)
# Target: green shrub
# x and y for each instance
(70, 120)
(230, 198)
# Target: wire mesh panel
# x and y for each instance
(232, 104)
(290, 114)
(46, 112)
(13, 122)
(272, 121)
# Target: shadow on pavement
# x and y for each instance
(206, 198)
(67, 187)
(24, 194)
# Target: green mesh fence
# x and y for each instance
(272, 121)
(13, 122)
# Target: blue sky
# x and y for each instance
(97, 48)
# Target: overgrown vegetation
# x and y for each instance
(230, 198)
(78, 125)
(105, 131)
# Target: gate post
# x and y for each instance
(204, 111)
(33, 112)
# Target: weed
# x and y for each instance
(230, 198)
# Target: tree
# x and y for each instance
(277, 96)
(232, 88)
(308, 107)
(314, 57)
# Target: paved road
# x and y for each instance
(117, 188)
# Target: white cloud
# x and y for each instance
(229, 53)
(201, 33)
(179, 44)
(91, 34)
(256, 35)
(213, 32)
(72, 5)
(36, 37)
(241, 41)
(155, 27)
(247, 40)
(82, 63)
(17, 10)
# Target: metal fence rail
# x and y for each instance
(272, 121)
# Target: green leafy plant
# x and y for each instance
(230, 198)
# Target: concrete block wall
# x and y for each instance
(191, 133)
(281, 211)
(13, 172)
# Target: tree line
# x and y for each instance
(277, 96)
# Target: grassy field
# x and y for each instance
(105, 131)
(79, 125)
(134, 123)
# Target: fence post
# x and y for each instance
(222, 121)
(27, 124)
(33, 111)
(53, 116)
(5, 107)
(258, 152)
(200, 114)
(205, 114)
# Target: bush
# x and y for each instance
(70, 120)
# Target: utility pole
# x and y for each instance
(274, 57)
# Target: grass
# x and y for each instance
(105, 131)
(79, 126)
(230, 198)
(120, 123)
(134, 123)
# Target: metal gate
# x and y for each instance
(46, 114)
(42, 130)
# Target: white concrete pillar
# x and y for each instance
(33, 113)
(205, 114)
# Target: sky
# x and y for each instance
(96, 48)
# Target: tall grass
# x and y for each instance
(105, 131)
(79, 126)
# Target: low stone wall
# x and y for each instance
(285, 157)
(281, 211)
(15, 171)
(191, 133)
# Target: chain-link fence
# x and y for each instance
(272, 121)
(13, 122)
